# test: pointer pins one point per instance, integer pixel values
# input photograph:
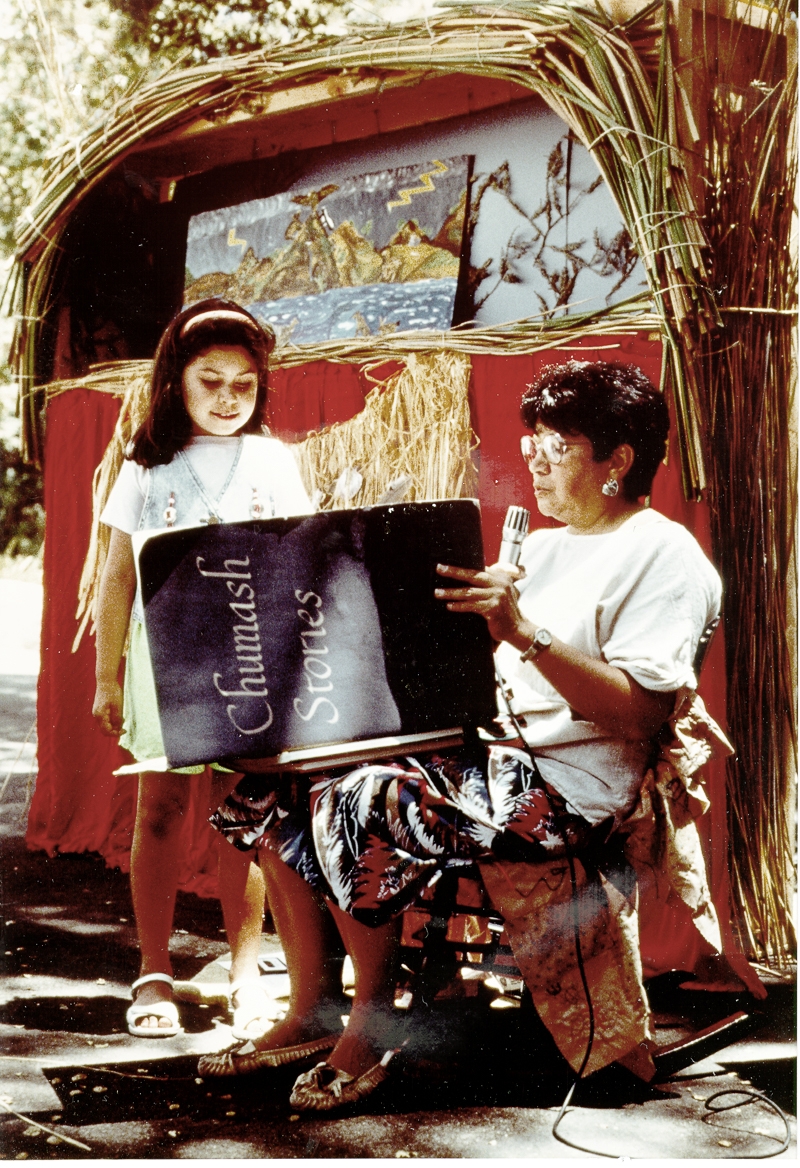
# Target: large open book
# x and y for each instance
(313, 641)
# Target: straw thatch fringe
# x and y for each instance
(613, 83)
(747, 377)
(416, 424)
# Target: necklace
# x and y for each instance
(213, 516)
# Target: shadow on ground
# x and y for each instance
(477, 1082)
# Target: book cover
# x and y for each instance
(293, 634)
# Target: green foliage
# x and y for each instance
(21, 512)
(206, 29)
(61, 62)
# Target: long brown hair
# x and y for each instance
(168, 427)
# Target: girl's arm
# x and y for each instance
(117, 588)
(599, 692)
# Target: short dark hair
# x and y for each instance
(168, 427)
(608, 403)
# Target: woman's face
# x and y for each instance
(219, 390)
(569, 491)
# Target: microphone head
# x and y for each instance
(515, 528)
(516, 523)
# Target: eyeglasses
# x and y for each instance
(552, 446)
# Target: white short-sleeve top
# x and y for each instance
(210, 475)
(638, 598)
(264, 463)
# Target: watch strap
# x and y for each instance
(541, 641)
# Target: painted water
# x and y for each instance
(342, 313)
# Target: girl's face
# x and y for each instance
(219, 390)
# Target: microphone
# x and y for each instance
(515, 528)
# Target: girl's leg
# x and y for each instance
(374, 953)
(155, 866)
(156, 858)
(242, 894)
(313, 956)
(241, 890)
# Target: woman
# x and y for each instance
(595, 638)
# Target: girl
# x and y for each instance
(198, 457)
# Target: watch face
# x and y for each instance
(543, 639)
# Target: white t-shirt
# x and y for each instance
(265, 462)
(638, 598)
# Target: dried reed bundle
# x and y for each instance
(747, 379)
(416, 424)
(531, 335)
(132, 413)
(612, 82)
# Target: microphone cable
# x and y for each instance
(749, 1096)
(577, 938)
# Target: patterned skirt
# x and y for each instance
(372, 838)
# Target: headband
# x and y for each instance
(218, 314)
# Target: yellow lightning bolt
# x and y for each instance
(234, 242)
(425, 189)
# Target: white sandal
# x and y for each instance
(166, 1010)
(257, 1006)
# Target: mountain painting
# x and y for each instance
(376, 253)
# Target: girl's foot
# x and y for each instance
(153, 1013)
(254, 1010)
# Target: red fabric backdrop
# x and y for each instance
(79, 806)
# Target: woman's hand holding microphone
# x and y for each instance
(492, 594)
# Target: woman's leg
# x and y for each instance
(156, 857)
(370, 1031)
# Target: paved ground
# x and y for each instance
(67, 1063)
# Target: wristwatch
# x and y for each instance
(542, 640)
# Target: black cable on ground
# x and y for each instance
(751, 1097)
(590, 1042)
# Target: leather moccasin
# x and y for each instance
(247, 1059)
(324, 1088)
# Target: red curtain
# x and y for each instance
(79, 806)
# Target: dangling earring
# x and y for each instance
(610, 488)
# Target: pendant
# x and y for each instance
(212, 519)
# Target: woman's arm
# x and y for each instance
(117, 588)
(599, 692)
